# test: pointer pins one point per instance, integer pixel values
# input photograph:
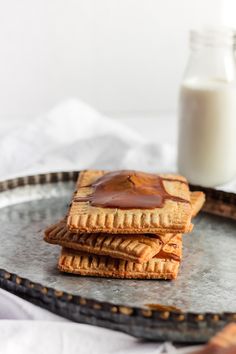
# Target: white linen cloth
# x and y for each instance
(73, 136)
(26, 329)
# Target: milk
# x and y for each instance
(207, 136)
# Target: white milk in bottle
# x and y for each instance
(207, 113)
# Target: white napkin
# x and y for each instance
(21, 333)
(72, 136)
(26, 328)
(23, 337)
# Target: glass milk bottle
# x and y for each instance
(207, 112)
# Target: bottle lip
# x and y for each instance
(213, 37)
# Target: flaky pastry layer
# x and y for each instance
(102, 266)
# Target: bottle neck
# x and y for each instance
(212, 57)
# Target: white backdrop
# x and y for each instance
(121, 56)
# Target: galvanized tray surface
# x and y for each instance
(203, 296)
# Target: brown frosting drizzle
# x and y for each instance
(166, 255)
(129, 190)
(160, 307)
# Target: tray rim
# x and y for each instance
(92, 311)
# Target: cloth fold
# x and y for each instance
(27, 328)
(74, 136)
(27, 337)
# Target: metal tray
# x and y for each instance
(203, 297)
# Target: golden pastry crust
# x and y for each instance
(226, 337)
(173, 217)
(133, 248)
(102, 266)
(197, 201)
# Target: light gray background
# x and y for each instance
(121, 56)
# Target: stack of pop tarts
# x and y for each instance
(125, 243)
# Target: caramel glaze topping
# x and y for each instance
(160, 307)
(166, 255)
(130, 190)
